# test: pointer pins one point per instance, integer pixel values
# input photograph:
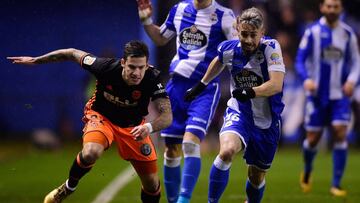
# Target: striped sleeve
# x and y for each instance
(274, 56)
(305, 49)
(228, 25)
(355, 60)
(167, 29)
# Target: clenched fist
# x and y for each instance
(145, 11)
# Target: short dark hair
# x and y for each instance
(251, 16)
(136, 48)
(322, 1)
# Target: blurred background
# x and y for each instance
(46, 101)
(41, 106)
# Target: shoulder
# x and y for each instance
(347, 28)
(152, 73)
(227, 45)
(227, 12)
(312, 27)
(182, 4)
(268, 42)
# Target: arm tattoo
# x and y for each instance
(165, 118)
(61, 55)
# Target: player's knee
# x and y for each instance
(312, 142)
(172, 161)
(173, 150)
(191, 149)
(256, 180)
(227, 154)
(256, 176)
(91, 154)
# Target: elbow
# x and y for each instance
(160, 42)
(70, 50)
(278, 89)
(169, 119)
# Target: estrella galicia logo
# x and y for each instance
(145, 149)
(246, 79)
(332, 53)
(192, 38)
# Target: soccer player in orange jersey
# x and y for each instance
(116, 113)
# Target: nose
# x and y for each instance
(136, 72)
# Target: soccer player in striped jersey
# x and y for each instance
(199, 26)
(252, 120)
(329, 66)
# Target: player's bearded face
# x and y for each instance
(331, 9)
(134, 69)
(249, 37)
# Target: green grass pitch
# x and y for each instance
(27, 174)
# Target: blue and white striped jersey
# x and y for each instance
(329, 56)
(198, 32)
(251, 72)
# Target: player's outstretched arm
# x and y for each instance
(145, 14)
(69, 54)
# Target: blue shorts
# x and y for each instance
(195, 116)
(319, 114)
(260, 144)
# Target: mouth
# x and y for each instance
(135, 79)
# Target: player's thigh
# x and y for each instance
(316, 114)
(130, 149)
(97, 129)
(340, 112)
(230, 145)
(202, 110)
(262, 146)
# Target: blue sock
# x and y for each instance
(191, 171)
(254, 195)
(183, 199)
(309, 155)
(219, 177)
(339, 162)
(172, 178)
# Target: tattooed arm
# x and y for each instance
(165, 117)
(70, 54)
(164, 120)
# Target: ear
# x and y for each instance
(122, 62)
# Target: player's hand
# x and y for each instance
(243, 94)
(25, 60)
(348, 89)
(145, 10)
(309, 85)
(193, 92)
(140, 132)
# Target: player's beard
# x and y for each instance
(248, 49)
(331, 18)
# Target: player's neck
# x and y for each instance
(201, 4)
(332, 24)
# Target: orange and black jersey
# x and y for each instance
(122, 104)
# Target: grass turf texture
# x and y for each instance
(27, 175)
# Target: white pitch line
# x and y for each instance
(109, 192)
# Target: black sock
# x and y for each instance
(78, 170)
(147, 197)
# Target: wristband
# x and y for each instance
(147, 21)
(205, 83)
(149, 126)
